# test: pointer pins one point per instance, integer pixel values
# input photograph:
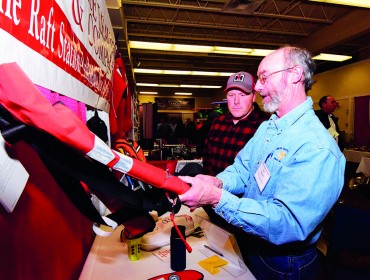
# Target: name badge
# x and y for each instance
(262, 176)
(333, 132)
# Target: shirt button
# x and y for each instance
(257, 162)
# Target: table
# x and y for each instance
(108, 259)
(364, 166)
(355, 155)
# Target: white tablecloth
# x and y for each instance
(108, 260)
(364, 166)
(355, 155)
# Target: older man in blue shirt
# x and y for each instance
(285, 180)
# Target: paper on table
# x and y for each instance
(212, 264)
(234, 270)
(13, 178)
(163, 253)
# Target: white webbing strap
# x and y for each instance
(109, 222)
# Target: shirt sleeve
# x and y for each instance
(305, 189)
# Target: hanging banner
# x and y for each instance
(67, 46)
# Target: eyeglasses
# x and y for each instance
(262, 77)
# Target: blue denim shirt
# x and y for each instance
(307, 174)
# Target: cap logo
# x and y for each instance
(239, 78)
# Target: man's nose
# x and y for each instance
(258, 86)
(236, 99)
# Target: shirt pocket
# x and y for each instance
(274, 167)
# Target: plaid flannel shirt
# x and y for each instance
(225, 139)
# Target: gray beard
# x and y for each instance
(273, 105)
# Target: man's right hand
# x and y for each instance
(204, 190)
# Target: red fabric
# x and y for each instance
(121, 118)
(45, 237)
(120, 111)
(119, 87)
(113, 128)
(114, 161)
(157, 177)
(119, 82)
(130, 148)
(25, 102)
(185, 274)
(162, 164)
(127, 121)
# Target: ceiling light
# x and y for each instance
(206, 73)
(148, 71)
(175, 86)
(193, 48)
(198, 48)
(176, 72)
(148, 92)
(147, 85)
(149, 46)
(241, 51)
(356, 3)
(332, 57)
(113, 4)
(183, 93)
(181, 72)
(210, 86)
(211, 49)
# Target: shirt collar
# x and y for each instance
(290, 118)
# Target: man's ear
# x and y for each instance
(254, 96)
(297, 74)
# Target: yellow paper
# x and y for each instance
(211, 264)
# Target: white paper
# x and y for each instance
(13, 178)
(163, 253)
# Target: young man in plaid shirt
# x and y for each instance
(230, 132)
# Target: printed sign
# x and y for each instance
(67, 46)
(164, 103)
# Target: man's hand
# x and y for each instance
(205, 190)
(210, 179)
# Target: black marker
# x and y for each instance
(214, 251)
